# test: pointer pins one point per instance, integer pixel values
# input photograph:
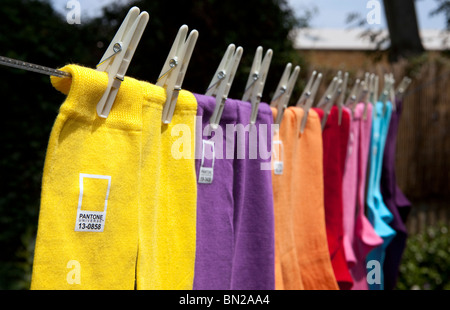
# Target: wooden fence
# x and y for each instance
(423, 141)
(427, 213)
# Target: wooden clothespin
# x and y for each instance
(256, 80)
(364, 89)
(339, 101)
(222, 81)
(388, 84)
(401, 89)
(118, 56)
(306, 99)
(328, 98)
(392, 93)
(372, 94)
(174, 69)
(363, 94)
(374, 89)
(341, 97)
(284, 90)
(351, 101)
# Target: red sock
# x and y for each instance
(335, 139)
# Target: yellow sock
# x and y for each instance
(126, 161)
(167, 223)
(92, 164)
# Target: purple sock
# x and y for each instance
(235, 221)
(395, 201)
(254, 256)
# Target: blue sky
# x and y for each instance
(331, 13)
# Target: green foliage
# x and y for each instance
(248, 23)
(443, 7)
(32, 31)
(426, 260)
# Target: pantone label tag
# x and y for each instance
(94, 195)
(277, 156)
(278, 167)
(90, 221)
(206, 173)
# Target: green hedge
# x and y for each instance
(426, 260)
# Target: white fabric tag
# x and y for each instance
(93, 221)
(90, 221)
(206, 174)
(278, 167)
(278, 157)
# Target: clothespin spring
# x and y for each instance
(282, 91)
(255, 78)
(172, 64)
(117, 48)
(221, 75)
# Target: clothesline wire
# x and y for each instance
(32, 67)
(19, 64)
